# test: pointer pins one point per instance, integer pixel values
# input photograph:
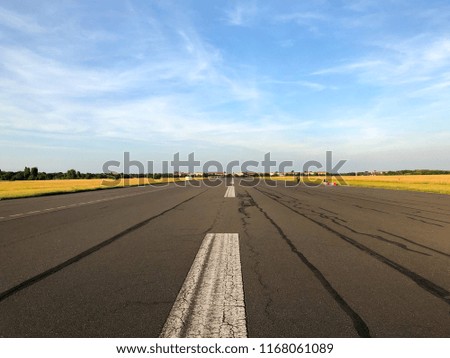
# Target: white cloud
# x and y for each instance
(417, 63)
(306, 19)
(360, 5)
(350, 68)
(20, 23)
(28, 73)
(155, 78)
(308, 84)
(178, 61)
(242, 14)
(438, 53)
(302, 17)
(174, 92)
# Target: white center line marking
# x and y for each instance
(210, 303)
(230, 193)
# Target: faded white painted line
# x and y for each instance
(232, 181)
(210, 303)
(230, 193)
(63, 207)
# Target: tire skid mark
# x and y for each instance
(432, 219)
(43, 275)
(332, 212)
(385, 202)
(421, 281)
(335, 220)
(377, 237)
(361, 327)
(423, 221)
(413, 242)
(371, 209)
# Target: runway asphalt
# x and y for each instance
(301, 262)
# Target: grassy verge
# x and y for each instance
(424, 183)
(30, 188)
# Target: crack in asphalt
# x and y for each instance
(298, 205)
(210, 302)
(413, 242)
(332, 212)
(421, 281)
(424, 217)
(372, 209)
(423, 221)
(384, 202)
(377, 237)
(245, 202)
(360, 326)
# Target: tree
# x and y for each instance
(71, 174)
(34, 173)
(26, 173)
(18, 176)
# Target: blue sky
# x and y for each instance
(81, 82)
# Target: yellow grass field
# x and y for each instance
(426, 183)
(26, 188)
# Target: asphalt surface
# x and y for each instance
(316, 261)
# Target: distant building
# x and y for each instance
(216, 174)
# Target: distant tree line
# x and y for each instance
(34, 174)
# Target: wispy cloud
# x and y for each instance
(350, 68)
(302, 17)
(163, 73)
(360, 5)
(418, 60)
(18, 22)
(306, 19)
(242, 14)
(308, 84)
(169, 92)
